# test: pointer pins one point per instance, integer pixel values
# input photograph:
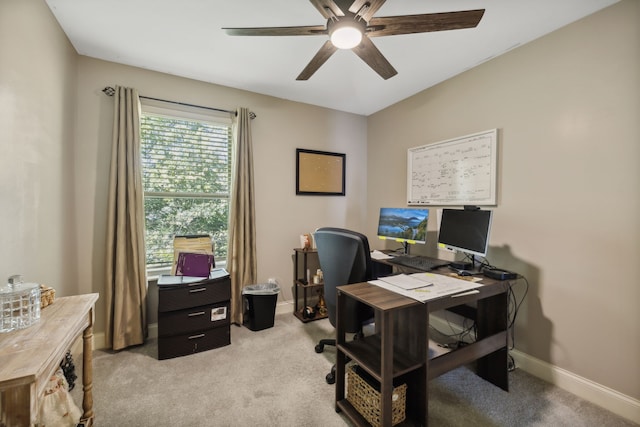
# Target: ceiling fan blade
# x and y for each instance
(312, 30)
(372, 56)
(366, 14)
(316, 62)
(424, 23)
(323, 5)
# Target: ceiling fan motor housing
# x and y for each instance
(346, 31)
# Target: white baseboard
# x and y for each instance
(603, 396)
(284, 307)
(600, 395)
(153, 330)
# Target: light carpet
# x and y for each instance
(274, 377)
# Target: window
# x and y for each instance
(186, 167)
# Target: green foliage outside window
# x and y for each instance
(186, 178)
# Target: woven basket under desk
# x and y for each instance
(366, 399)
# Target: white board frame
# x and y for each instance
(458, 171)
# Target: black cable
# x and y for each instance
(458, 336)
(481, 264)
(512, 314)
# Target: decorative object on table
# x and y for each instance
(69, 370)
(47, 295)
(322, 304)
(305, 241)
(308, 312)
(20, 304)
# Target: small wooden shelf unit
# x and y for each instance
(301, 263)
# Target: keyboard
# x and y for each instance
(418, 262)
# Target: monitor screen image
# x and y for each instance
(465, 230)
(407, 225)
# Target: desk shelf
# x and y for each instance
(367, 352)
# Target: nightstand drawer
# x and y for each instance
(193, 319)
(194, 342)
(193, 295)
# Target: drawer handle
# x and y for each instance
(193, 337)
(200, 313)
(197, 290)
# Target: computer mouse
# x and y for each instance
(464, 273)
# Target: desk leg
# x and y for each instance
(341, 359)
(87, 373)
(492, 319)
(386, 371)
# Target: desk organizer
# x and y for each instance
(20, 304)
(366, 399)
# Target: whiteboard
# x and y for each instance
(459, 171)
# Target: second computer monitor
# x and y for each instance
(465, 230)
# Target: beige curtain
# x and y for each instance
(241, 257)
(126, 284)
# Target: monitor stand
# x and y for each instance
(461, 265)
(469, 267)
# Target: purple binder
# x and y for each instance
(194, 264)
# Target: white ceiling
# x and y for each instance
(184, 38)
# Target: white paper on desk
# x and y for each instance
(376, 254)
(404, 281)
(435, 286)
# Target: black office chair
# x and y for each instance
(345, 258)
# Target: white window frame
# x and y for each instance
(172, 110)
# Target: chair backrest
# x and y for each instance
(344, 258)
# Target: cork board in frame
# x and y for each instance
(320, 173)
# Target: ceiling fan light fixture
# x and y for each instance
(346, 35)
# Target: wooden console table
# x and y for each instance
(29, 357)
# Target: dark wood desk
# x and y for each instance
(401, 348)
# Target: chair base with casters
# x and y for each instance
(331, 376)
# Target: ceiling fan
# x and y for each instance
(350, 23)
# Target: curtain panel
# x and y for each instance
(241, 255)
(126, 284)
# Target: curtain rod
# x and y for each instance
(109, 91)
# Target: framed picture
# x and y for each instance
(320, 173)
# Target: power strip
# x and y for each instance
(499, 274)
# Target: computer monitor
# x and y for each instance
(404, 225)
(465, 230)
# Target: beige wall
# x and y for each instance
(37, 112)
(567, 109)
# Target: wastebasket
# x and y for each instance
(260, 305)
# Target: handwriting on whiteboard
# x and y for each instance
(459, 171)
